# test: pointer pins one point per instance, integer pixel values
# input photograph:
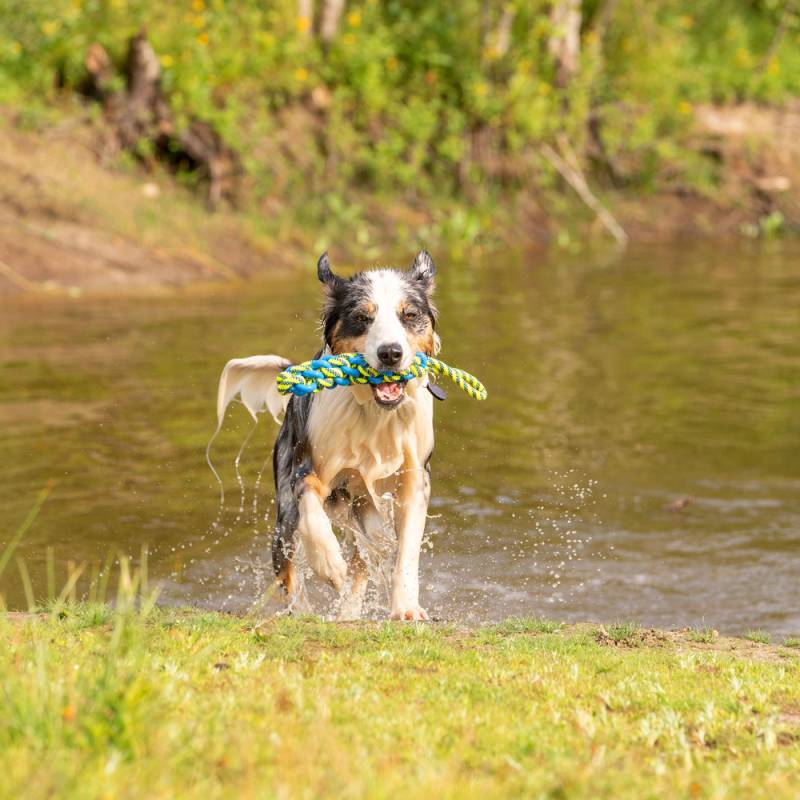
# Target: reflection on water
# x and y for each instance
(637, 457)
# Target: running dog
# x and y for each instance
(357, 454)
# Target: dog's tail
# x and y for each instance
(253, 379)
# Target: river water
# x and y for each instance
(638, 457)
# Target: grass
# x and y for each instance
(702, 635)
(791, 641)
(621, 633)
(147, 702)
(758, 636)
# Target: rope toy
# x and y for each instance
(349, 368)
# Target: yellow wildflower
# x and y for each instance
(544, 89)
(354, 19)
(202, 38)
(684, 108)
(16, 48)
(481, 89)
(167, 61)
(773, 67)
(301, 74)
(198, 5)
(303, 24)
(50, 27)
(686, 21)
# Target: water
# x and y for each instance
(617, 386)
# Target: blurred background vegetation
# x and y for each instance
(451, 118)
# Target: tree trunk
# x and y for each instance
(565, 42)
(305, 16)
(141, 113)
(502, 37)
(329, 23)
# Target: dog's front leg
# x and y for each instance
(414, 492)
(316, 533)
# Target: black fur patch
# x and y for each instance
(291, 462)
(347, 299)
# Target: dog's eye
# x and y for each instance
(362, 319)
(410, 315)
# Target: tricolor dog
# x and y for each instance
(357, 454)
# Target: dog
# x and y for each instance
(356, 455)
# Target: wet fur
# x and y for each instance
(339, 452)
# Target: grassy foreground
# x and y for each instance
(167, 704)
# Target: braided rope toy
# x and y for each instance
(352, 368)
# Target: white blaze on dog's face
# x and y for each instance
(386, 314)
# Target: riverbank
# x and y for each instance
(71, 223)
(372, 129)
(195, 704)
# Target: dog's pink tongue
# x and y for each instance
(388, 392)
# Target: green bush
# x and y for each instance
(414, 97)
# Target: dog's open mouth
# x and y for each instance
(389, 395)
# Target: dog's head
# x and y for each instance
(386, 314)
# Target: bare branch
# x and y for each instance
(569, 169)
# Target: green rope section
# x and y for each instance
(346, 369)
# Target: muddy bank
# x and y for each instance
(69, 222)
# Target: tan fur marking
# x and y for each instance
(357, 569)
(423, 342)
(313, 483)
(287, 578)
(340, 344)
(420, 342)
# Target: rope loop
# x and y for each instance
(346, 369)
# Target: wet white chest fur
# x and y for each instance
(349, 431)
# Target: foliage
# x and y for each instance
(417, 98)
(164, 703)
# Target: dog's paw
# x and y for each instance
(330, 566)
(410, 613)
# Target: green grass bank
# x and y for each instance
(166, 704)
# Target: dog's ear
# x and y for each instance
(325, 274)
(423, 269)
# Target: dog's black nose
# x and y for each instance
(390, 354)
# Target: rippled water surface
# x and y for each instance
(638, 457)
